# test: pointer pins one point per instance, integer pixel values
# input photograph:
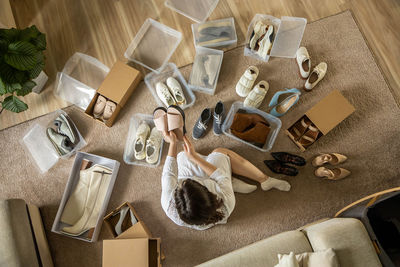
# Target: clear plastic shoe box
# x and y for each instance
(288, 32)
(170, 70)
(41, 149)
(205, 34)
(151, 48)
(129, 153)
(80, 78)
(197, 10)
(274, 123)
(205, 70)
(71, 184)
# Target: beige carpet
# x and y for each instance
(370, 138)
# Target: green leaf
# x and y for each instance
(9, 34)
(21, 55)
(13, 104)
(11, 75)
(3, 89)
(29, 33)
(33, 73)
(40, 42)
(11, 88)
(26, 88)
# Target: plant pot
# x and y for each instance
(40, 82)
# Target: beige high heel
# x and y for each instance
(331, 158)
(332, 174)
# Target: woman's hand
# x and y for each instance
(170, 137)
(189, 149)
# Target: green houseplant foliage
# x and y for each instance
(21, 60)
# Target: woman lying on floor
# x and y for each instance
(198, 191)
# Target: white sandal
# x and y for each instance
(247, 80)
(176, 91)
(256, 96)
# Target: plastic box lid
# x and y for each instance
(227, 38)
(274, 123)
(289, 33)
(197, 10)
(40, 148)
(153, 45)
(170, 70)
(129, 156)
(80, 78)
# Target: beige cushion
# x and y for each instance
(264, 252)
(324, 258)
(348, 238)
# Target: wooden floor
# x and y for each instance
(104, 29)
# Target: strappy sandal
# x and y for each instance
(300, 127)
(176, 121)
(332, 174)
(309, 137)
(160, 120)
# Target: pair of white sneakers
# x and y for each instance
(304, 62)
(170, 94)
(255, 96)
(147, 143)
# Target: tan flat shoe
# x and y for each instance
(99, 106)
(331, 158)
(332, 174)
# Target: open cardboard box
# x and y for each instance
(118, 86)
(138, 252)
(325, 115)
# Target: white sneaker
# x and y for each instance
(266, 42)
(153, 145)
(259, 29)
(303, 61)
(256, 96)
(142, 133)
(247, 80)
(164, 94)
(176, 91)
(316, 75)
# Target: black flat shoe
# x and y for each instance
(279, 167)
(289, 158)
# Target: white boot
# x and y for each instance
(241, 187)
(275, 183)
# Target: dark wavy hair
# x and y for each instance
(196, 205)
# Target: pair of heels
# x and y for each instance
(122, 216)
(280, 108)
(304, 63)
(170, 94)
(147, 143)
(333, 159)
(305, 132)
(280, 163)
(103, 108)
(64, 138)
(170, 119)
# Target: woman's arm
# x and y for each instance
(169, 179)
(191, 153)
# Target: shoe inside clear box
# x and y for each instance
(153, 45)
(205, 70)
(274, 123)
(288, 33)
(40, 148)
(215, 33)
(129, 153)
(170, 70)
(196, 10)
(81, 76)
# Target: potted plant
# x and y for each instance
(21, 61)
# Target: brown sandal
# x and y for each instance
(300, 127)
(309, 137)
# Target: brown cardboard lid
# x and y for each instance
(117, 84)
(330, 111)
(126, 252)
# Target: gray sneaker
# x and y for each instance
(201, 125)
(66, 128)
(219, 114)
(60, 142)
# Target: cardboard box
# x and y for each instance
(138, 230)
(118, 86)
(325, 115)
(138, 252)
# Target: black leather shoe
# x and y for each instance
(289, 158)
(279, 167)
